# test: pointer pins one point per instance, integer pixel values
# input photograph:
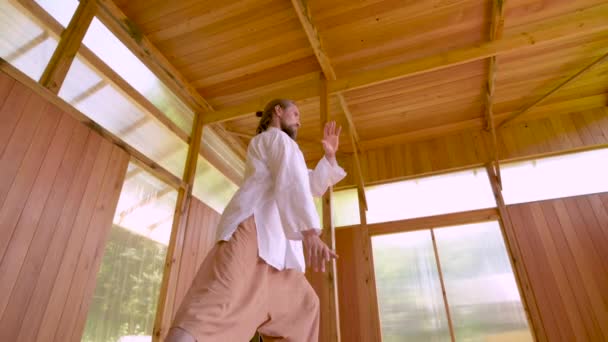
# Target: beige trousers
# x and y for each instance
(236, 293)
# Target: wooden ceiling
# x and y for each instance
(237, 52)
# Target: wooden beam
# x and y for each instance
(443, 291)
(496, 27)
(303, 12)
(331, 318)
(576, 24)
(359, 179)
(129, 33)
(56, 70)
(515, 256)
(166, 301)
(582, 22)
(110, 75)
(142, 160)
(455, 219)
(579, 104)
(368, 271)
(527, 108)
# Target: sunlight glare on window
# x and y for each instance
(555, 177)
(435, 195)
(61, 10)
(118, 57)
(23, 42)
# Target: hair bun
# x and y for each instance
(259, 114)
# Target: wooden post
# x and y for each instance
(519, 268)
(326, 284)
(445, 296)
(166, 301)
(496, 28)
(369, 274)
(68, 46)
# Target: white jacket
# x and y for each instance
(278, 190)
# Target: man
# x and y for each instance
(253, 279)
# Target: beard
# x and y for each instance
(292, 130)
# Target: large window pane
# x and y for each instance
(104, 103)
(116, 55)
(23, 43)
(449, 193)
(409, 291)
(128, 282)
(555, 177)
(211, 186)
(62, 10)
(482, 293)
(346, 208)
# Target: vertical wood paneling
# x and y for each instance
(561, 241)
(59, 187)
(13, 97)
(358, 317)
(21, 186)
(19, 140)
(199, 239)
(58, 243)
(469, 148)
(25, 229)
(94, 247)
(32, 271)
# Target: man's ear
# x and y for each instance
(278, 110)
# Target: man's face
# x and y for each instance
(290, 120)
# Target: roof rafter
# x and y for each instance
(579, 23)
(530, 106)
(303, 12)
(497, 22)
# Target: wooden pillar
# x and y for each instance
(325, 284)
(166, 301)
(519, 268)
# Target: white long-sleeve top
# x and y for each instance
(278, 190)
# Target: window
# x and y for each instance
(409, 291)
(211, 186)
(129, 280)
(62, 11)
(482, 295)
(118, 57)
(442, 194)
(23, 43)
(103, 102)
(346, 208)
(555, 177)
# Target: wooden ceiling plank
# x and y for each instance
(530, 106)
(580, 23)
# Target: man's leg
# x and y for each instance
(226, 298)
(294, 311)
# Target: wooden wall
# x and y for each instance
(356, 286)
(197, 240)
(561, 244)
(564, 248)
(555, 133)
(59, 186)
